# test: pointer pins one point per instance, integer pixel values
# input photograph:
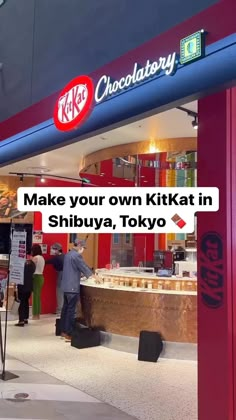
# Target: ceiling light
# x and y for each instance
(142, 176)
(42, 179)
(195, 123)
(152, 146)
(192, 114)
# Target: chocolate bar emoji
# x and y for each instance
(178, 221)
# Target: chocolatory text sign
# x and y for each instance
(80, 95)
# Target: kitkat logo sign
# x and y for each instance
(74, 103)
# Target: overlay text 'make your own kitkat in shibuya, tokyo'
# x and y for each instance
(121, 210)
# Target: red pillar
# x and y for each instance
(162, 183)
(48, 298)
(217, 259)
(104, 249)
(106, 167)
(144, 244)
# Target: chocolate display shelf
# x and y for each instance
(145, 281)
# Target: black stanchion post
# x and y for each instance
(1, 342)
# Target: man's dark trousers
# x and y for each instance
(68, 312)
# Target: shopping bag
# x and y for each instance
(15, 307)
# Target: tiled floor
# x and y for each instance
(72, 383)
(48, 398)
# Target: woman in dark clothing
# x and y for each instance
(24, 293)
(57, 262)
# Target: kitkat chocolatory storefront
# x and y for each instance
(195, 61)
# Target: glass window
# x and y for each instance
(73, 237)
(116, 238)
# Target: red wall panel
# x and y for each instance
(216, 271)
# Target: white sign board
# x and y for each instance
(44, 248)
(17, 257)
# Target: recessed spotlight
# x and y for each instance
(142, 176)
(145, 180)
(195, 123)
(42, 179)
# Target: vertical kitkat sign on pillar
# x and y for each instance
(74, 103)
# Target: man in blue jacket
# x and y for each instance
(73, 267)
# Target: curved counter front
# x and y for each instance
(127, 310)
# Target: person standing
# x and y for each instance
(38, 279)
(24, 293)
(73, 267)
(57, 262)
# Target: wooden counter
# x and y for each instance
(126, 311)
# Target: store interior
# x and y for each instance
(130, 292)
(158, 151)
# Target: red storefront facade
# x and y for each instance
(216, 231)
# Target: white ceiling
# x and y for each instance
(65, 161)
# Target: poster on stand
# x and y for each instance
(18, 257)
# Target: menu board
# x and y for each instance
(8, 200)
(18, 257)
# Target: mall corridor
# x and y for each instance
(89, 384)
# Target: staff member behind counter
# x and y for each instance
(57, 262)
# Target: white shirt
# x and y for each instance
(40, 263)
